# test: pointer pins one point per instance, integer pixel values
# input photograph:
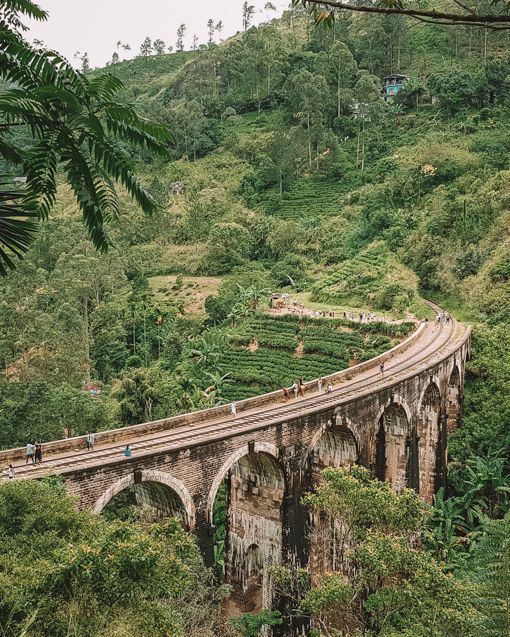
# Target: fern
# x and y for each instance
(77, 126)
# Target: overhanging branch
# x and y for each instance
(470, 18)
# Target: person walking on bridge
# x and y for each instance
(30, 453)
(233, 408)
(91, 439)
(38, 453)
(127, 452)
(381, 368)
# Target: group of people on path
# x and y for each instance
(443, 317)
(362, 317)
(298, 388)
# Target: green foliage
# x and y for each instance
(458, 88)
(65, 572)
(374, 275)
(251, 624)
(386, 583)
(43, 410)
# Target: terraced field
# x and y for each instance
(309, 197)
(269, 352)
(374, 277)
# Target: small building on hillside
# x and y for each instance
(393, 84)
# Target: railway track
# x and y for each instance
(436, 343)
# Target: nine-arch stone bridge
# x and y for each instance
(394, 423)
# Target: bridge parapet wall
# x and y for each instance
(113, 436)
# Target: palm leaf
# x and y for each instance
(17, 228)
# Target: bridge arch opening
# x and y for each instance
(335, 448)
(148, 495)
(393, 443)
(247, 515)
(454, 399)
(428, 432)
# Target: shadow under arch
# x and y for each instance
(428, 432)
(393, 443)
(253, 526)
(259, 447)
(334, 446)
(158, 488)
(454, 398)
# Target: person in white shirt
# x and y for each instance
(90, 441)
(10, 472)
(30, 453)
(233, 408)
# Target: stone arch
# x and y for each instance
(158, 479)
(258, 447)
(428, 433)
(393, 443)
(454, 398)
(255, 487)
(336, 446)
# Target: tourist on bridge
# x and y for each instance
(233, 408)
(295, 389)
(10, 472)
(329, 388)
(381, 368)
(286, 394)
(38, 453)
(127, 451)
(301, 387)
(320, 384)
(30, 453)
(91, 439)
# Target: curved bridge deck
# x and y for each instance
(428, 346)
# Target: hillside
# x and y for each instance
(289, 172)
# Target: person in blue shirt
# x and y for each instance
(127, 451)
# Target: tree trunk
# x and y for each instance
(338, 92)
(309, 141)
(87, 337)
(145, 336)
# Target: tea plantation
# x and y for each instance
(269, 352)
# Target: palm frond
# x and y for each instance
(18, 226)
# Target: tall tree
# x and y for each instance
(179, 45)
(345, 68)
(195, 42)
(146, 49)
(210, 31)
(219, 28)
(247, 14)
(115, 60)
(308, 94)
